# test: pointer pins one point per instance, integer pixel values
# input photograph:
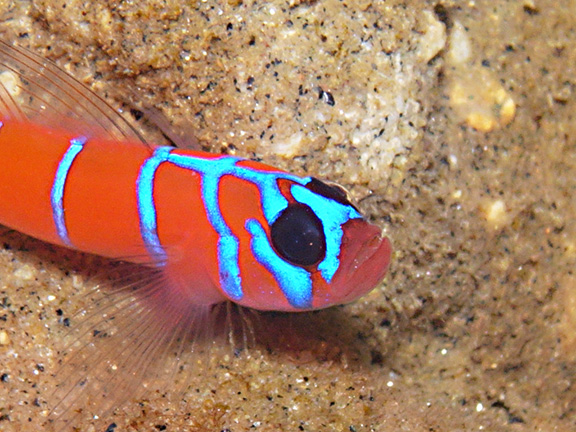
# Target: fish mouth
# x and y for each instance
(365, 258)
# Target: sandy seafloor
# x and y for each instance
(452, 125)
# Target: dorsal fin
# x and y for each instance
(33, 88)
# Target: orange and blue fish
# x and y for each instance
(218, 227)
(215, 228)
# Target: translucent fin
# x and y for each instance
(33, 88)
(139, 336)
(179, 136)
(131, 339)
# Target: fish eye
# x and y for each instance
(330, 190)
(298, 236)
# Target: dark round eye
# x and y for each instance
(298, 236)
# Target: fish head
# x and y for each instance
(311, 249)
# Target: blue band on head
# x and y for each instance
(228, 244)
(273, 203)
(332, 215)
(211, 171)
(57, 192)
(294, 281)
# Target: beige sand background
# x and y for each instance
(452, 124)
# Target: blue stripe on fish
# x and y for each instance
(57, 192)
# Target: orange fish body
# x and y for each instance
(218, 227)
(89, 195)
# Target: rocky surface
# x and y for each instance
(452, 125)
